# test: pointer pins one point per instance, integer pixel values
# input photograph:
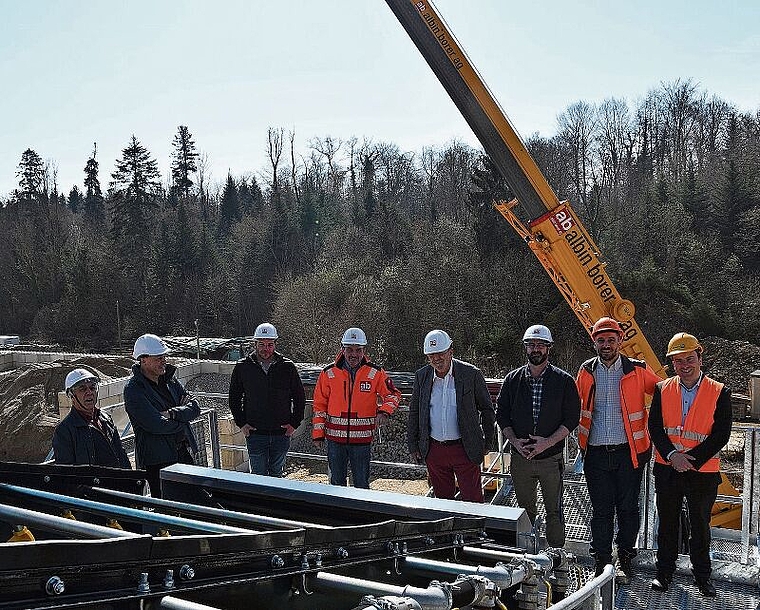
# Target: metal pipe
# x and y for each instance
(591, 595)
(432, 598)
(502, 575)
(207, 511)
(16, 515)
(128, 514)
(174, 603)
(545, 561)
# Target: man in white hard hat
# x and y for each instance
(160, 411)
(689, 422)
(451, 420)
(537, 407)
(267, 401)
(346, 412)
(87, 435)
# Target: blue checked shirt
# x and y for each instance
(536, 387)
(607, 426)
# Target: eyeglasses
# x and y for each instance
(93, 387)
(536, 345)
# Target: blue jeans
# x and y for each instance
(267, 453)
(613, 488)
(338, 458)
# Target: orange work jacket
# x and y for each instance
(637, 382)
(344, 410)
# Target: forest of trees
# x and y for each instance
(362, 233)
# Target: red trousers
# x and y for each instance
(444, 461)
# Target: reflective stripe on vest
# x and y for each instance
(699, 420)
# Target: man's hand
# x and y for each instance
(538, 444)
(682, 461)
(288, 429)
(522, 445)
(380, 419)
(319, 443)
(247, 429)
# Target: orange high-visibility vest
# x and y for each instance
(699, 420)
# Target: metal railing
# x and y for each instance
(205, 428)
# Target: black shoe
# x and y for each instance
(599, 565)
(705, 587)
(624, 571)
(661, 584)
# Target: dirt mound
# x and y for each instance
(29, 402)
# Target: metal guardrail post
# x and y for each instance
(216, 452)
(750, 493)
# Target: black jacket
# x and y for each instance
(158, 436)
(560, 405)
(267, 401)
(75, 441)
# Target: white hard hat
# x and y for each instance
(77, 375)
(436, 341)
(149, 345)
(265, 331)
(354, 336)
(538, 332)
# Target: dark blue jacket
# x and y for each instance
(158, 436)
(75, 441)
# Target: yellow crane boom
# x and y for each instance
(555, 234)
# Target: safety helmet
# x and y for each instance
(538, 332)
(78, 375)
(149, 345)
(683, 342)
(606, 325)
(354, 336)
(436, 341)
(265, 331)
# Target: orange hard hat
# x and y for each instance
(682, 343)
(606, 325)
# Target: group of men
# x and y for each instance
(689, 422)
(451, 428)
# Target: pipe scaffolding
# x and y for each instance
(206, 511)
(127, 514)
(51, 523)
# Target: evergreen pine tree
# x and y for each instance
(184, 161)
(94, 207)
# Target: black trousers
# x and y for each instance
(613, 488)
(153, 472)
(700, 490)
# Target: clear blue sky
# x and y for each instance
(74, 72)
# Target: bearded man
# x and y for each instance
(537, 407)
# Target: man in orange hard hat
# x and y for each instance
(613, 437)
(690, 422)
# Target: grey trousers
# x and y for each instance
(526, 475)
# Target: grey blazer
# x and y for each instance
(475, 413)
